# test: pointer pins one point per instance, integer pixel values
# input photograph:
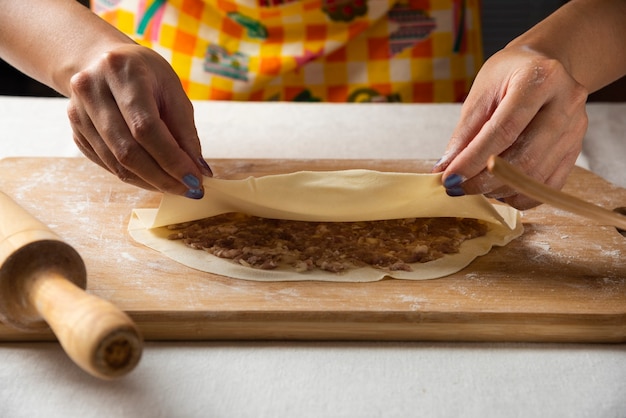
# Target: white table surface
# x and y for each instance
(318, 379)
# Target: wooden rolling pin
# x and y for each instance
(42, 280)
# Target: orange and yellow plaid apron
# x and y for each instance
(310, 50)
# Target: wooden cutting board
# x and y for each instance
(563, 280)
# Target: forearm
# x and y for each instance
(50, 40)
(587, 37)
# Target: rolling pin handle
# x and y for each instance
(94, 333)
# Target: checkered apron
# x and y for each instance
(310, 50)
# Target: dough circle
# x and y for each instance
(341, 196)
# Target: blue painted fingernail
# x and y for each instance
(452, 181)
(191, 181)
(194, 194)
(455, 191)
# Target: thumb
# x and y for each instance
(178, 116)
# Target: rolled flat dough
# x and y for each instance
(341, 196)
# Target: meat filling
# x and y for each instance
(389, 245)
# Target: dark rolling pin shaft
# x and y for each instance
(42, 282)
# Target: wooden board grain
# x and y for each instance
(563, 280)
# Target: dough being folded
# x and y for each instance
(341, 196)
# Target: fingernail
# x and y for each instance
(195, 194)
(205, 167)
(191, 181)
(455, 191)
(453, 180)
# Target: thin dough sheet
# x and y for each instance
(333, 196)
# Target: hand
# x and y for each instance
(527, 109)
(130, 115)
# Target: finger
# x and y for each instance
(554, 135)
(557, 181)
(82, 129)
(178, 116)
(95, 149)
(86, 148)
(126, 177)
(541, 169)
(475, 112)
(553, 173)
(76, 118)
